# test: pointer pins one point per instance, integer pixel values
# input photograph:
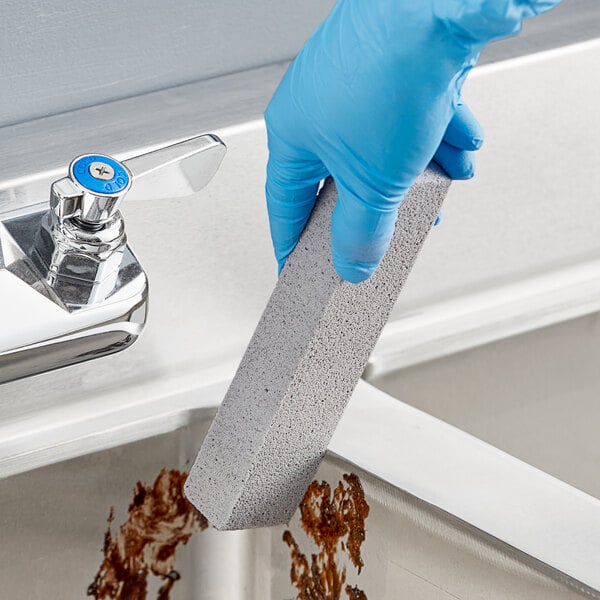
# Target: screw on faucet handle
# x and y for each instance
(100, 174)
(97, 183)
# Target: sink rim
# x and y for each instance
(557, 524)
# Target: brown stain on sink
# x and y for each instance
(332, 522)
(160, 518)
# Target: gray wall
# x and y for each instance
(58, 55)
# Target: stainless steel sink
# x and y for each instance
(53, 520)
(451, 516)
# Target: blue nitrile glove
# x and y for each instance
(372, 97)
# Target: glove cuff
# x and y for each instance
(477, 22)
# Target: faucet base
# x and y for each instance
(44, 325)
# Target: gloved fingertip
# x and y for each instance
(437, 220)
(464, 131)
(458, 164)
(476, 143)
(353, 273)
(469, 172)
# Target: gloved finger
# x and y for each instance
(292, 182)
(438, 219)
(458, 164)
(464, 131)
(360, 235)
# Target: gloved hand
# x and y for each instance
(372, 97)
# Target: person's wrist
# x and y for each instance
(478, 22)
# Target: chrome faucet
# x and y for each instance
(71, 288)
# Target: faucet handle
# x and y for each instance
(186, 167)
(96, 184)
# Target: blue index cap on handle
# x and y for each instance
(100, 174)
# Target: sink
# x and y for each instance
(490, 493)
(53, 520)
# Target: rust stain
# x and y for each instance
(355, 594)
(332, 522)
(160, 518)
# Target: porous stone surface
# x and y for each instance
(309, 349)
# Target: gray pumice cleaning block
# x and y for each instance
(309, 349)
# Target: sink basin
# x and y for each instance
(53, 521)
(534, 396)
